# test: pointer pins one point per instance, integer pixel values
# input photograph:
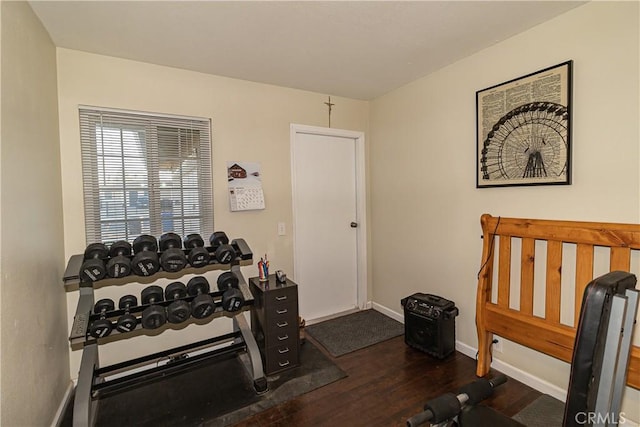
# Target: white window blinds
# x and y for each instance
(145, 174)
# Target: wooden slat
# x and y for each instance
(584, 274)
(555, 340)
(547, 335)
(553, 287)
(620, 259)
(504, 271)
(483, 296)
(534, 332)
(633, 375)
(591, 233)
(527, 264)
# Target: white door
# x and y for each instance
(328, 226)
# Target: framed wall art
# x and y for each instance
(524, 130)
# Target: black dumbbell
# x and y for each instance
(145, 261)
(198, 255)
(172, 258)
(232, 298)
(179, 310)
(93, 268)
(102, 327)
(155, 315)
(224, 252)
(127, 322)
(119, 265)
(202, 305)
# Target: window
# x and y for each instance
(145, 174)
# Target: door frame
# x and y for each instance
(361, 200)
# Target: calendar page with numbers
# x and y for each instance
(245, 186)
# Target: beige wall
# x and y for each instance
(34, 359)
(425, 129)
(422, 156)
(251, 122)
(1, 14)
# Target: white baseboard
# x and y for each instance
(517, 374)
(509, 370)
(388, 312)
(526, 378)
(66, 400)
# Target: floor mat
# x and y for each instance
(545, 411)
(218, 394)
(352, 332)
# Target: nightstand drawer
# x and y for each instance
(281, 296)
(280, 314)
(278, 334)
(280, 331)
(282, 311)
(279, 358)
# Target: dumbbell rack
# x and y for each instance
(92, 379)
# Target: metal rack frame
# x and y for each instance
(93, 379)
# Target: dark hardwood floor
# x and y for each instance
(386, 384)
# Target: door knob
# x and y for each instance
(354, 225)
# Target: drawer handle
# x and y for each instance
(282, 325)
(283, 338)
(283, 364)
(283, 351)
(282, 298)
(282, 311)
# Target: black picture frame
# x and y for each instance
(523, 130)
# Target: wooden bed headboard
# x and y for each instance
(511, 244)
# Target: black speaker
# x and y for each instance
(429, 324)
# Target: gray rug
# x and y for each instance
(215, 395)
(352, 332)
(545, 411)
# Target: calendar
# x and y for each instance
(245, 186)
(246, 199)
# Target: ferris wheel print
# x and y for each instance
(530, 141)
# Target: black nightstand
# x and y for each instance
(274, 323)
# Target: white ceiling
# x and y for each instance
(356, 49)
